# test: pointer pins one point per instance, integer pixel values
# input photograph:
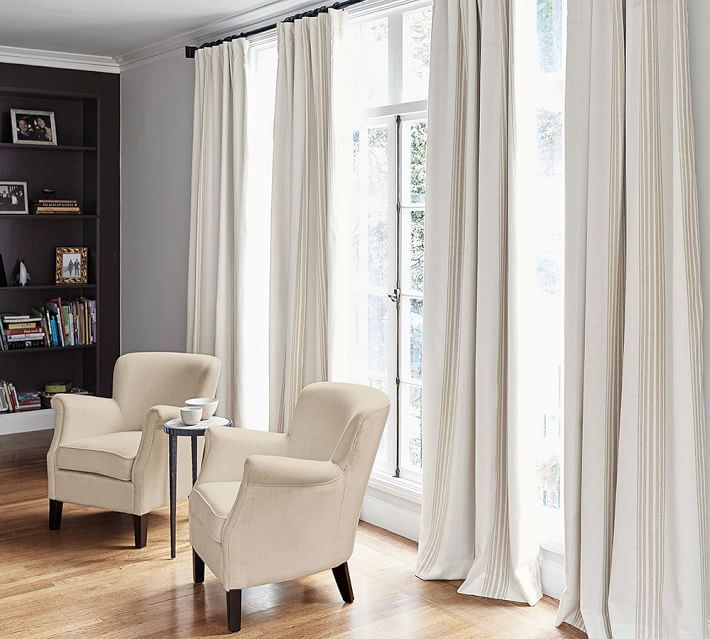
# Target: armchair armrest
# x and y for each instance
(79, 416)
(154, 420)
(226, 450)
(263, 470)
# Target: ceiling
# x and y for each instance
(108, 27)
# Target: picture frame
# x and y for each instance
(13, 198)
(33, 127)
(71, 265)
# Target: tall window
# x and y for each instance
(389, 67)
(541, 96)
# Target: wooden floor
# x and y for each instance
(87, 581)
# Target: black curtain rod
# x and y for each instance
(190, 51)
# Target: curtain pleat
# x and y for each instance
(218, 221)
(304, 209)
(634, 482)
(478, 490)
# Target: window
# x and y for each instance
(262, 92)
(539, 91)
(389, 64)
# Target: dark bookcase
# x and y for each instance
(84, 166)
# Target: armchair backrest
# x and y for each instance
(142, 380)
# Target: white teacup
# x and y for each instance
(191, 415)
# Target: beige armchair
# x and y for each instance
(113, 453)
(269, 507)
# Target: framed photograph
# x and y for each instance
(33, 127)
(71, 265)
(13, 197)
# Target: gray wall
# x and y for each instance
(156, 147)
(699, 14)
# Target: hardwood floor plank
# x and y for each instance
(88, 581)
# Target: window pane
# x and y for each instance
(411, 423)
(414, 135)
(549, 142)
(550, 15)
(368, 50)
(412, 321)
(378, 191)
(377, 334)
(378, 248)
(417, 39)
(413, 251)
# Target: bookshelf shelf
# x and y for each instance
(48, 349)
(7, 146)
(46, 287)
(45, 218)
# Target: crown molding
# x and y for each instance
(243, 21)
(59, 59)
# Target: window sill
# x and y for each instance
(396, 487)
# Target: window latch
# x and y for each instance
(395, 295)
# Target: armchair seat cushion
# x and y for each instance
(111, 455)
(211, 502)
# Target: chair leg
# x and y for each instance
(234, 610)
(55, 514)
(198, 568)
(140, 530)
(342, 578)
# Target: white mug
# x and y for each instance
(190, 415)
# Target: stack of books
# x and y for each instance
(21, 331)
(58, 323)
(54, 207)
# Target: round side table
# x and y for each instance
(174, 429)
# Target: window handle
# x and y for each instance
(395, 295)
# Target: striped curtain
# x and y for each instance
(218, 220)
(306, 171)
(479, 488)
(634, 478)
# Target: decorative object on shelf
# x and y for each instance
(71, 265)
(33, 127)
(3, 278)
(13, 198)
(23, 275)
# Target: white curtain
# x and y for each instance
(479, 495)
(304, 228)
(635, 500)
(218, 220)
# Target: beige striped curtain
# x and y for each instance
(634, 479)
(479, 499)
(303, 218)
(218, 220)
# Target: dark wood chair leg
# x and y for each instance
(198, 568)
(140, 530)
(55, 514)
(342, 578)
(234, 610)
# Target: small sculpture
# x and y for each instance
(23, 275)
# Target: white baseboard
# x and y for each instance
(398, 515)
(11, 423)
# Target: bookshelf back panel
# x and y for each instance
(62, 171)
(35, 243)
(32, 370)
(68, 115)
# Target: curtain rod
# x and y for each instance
(190, 51)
